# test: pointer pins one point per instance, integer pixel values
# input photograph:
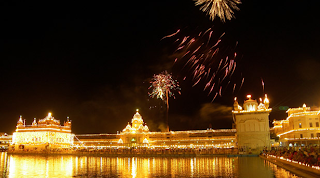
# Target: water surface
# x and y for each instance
(16, 166)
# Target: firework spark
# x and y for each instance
(220, 8)
(164, 86)
(206, 60)
(242, 82)
(171, 34)
(262, 85)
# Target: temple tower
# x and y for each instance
(136, 133)
(252, 124)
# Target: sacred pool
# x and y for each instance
(17, 165)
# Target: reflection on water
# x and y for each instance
(84, 166)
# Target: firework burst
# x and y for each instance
(206, 60)
(164, 86)
(220, 8)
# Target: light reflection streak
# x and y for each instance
(134, 167)
(12, 166)
(100, 164)
(128, 165)
(39, 166)
(148, 164)
(191, 167)
(47, 169)
(97, 166)
(76, 165)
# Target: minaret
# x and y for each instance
(304, 106)
(266, 101)
(34, 123)
(236, 104)
(67, 123)
(20, 121)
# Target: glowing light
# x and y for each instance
(220, 8)
(163, 86)
(120, 141)
(137, 125)
(199, 56)
(251, 106)
(38, 135)
(145, 140)
(266, 100)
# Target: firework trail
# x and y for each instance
(170, 35)
(234, 87)
(214, 97)
(262, 85)
(206, 60)
(220, 8)
(242, 82)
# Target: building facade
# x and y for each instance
(5, 141)
(45, 134)
(252, 125)
(137, 135)
(300, 128)
(252, 134)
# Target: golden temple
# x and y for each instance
(250, 135)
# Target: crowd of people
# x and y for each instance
(309, 156)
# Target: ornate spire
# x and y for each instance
(236, 105)
(266, 101)
(20, 121)
(48, 120)
(34, 123)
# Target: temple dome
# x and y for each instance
(136, 125)
(49, 120)
(128, 128)
(137, 117)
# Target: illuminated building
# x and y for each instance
(137, 135)
(5, 140)
(252, 132)
(252, 124)
(300, 128)
(44, 134)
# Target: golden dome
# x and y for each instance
(137, 117)
(49, 120)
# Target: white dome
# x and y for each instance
(137, 117)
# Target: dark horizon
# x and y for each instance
(94, 64)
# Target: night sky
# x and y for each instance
(94, 62)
